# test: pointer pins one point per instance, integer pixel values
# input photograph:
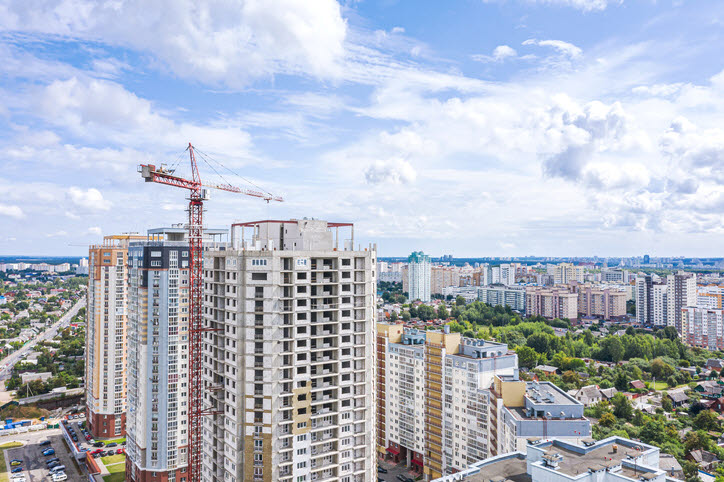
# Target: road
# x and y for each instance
(35, 468)
(7, 364)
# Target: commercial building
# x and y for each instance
(703, 327)
(157, 354)
(106, 322)
(503, 296)
(554, 302)
(600, 301)
(444, 400)
(289, 360)
(680, 293)
(614, 459)
(418, 277)
(614, 275)
(651, 301)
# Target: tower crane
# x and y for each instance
(197, 196)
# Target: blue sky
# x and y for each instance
(471, 127)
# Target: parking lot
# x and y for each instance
(393, 470)
(34, 466)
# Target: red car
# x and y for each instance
(120, 451)
(97, 451)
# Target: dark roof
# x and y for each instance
(678, 396)
(637, 384)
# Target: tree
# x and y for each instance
(406, 316)
(666, 403)
(393, 316)
(706, 420)
(622, 406)
(611, 349)
(527, 356)
(460, 301)
(653, 431)
(570, 376)
(661, 369)
(442, 312)
(607, 420)
(696, 440)
(538, 342)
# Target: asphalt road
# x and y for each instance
(34, 467)
(7, 364)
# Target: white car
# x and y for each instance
(59, 476)
(18, 478)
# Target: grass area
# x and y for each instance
(117, 477)
(3, 467)
(659, 385)
(117, 468)
(113, 459)
(119, 441)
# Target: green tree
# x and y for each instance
(653, 431)
(622, 406)
(706, 420)
(527, 356)
(442, 312)
(607, 420)
(393, 316)
(460, 301)
(406, 316)
(661, 369)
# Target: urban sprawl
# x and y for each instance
(322, 362)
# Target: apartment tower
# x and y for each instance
(106, 320)
(681, 293)
(289, 360)
(418, 276)
(157, 366)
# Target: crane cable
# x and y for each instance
(231, 171)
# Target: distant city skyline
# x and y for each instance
(554, 127)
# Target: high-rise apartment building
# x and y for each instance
(504, 296)
(703, 327)
(289, 361)
(600, 301)
(444, 400)
(680, 293)
(157, 365)
(564, 273)
(557, 302)
(418, 276)
(710, 296)
(106, 321)
(651, 301)
(442, 277)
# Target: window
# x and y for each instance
(155, 254)
(258, 276)
(258, 262)
(302, 262)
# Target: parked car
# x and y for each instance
(54, 459)
(18, 478)
(112, 444)
(96, 455)
(52, 465)
(120, 451)
(44, 442)
(382, 470)
(57, 468)
(59, 476)
(15, 462)
(47, 452)
(16, 470)
(99, 444)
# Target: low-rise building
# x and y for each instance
(32, 376)
(614, 459)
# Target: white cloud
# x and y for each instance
(394, 171)
(218, 42)
(584, 5)
(500, 53)
(57, 234)
(95, 231)
(398, 30)
(565, 48)
(11, 211)
(88, 200)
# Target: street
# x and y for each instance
(34, 466)
(6, 364)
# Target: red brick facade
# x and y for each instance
(151, 476)
(103, 426)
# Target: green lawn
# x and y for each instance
(117, 477)
(116, 468)
(659, 385)
(3, 468)
(113, 459)
(119, 441)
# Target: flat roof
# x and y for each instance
(544, 388)
(513, 469)
(575, 463)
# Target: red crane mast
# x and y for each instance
(196, 387)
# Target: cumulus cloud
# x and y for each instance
(94, 231)
(217, 41)
(564, 48)
(394, 171)
(11, 211)
(500, 53)
(88, 200)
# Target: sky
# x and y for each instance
(465, 127)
